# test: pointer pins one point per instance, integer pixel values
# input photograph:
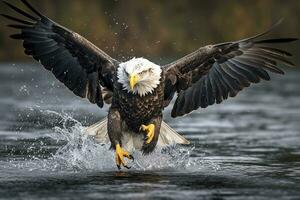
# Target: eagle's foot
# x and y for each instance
(150, 130)
(120, 155)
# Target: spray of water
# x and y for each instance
(80, 152)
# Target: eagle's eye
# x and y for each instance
(145, 72)
(142, 73)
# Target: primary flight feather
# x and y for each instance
(139, 90)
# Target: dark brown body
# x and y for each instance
(135, 110)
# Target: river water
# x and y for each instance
(245, 148)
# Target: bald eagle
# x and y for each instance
(139, 90)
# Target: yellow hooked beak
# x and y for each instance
(133, 80)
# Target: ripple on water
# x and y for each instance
(245, 148)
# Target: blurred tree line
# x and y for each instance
(159, 28)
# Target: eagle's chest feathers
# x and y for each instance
(137, 110)
(139, 91)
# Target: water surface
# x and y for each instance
(245, 148)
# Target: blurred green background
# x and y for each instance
(160, 29)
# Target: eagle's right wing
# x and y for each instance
(74, 61)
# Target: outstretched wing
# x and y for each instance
(74, 61)
(216, 72)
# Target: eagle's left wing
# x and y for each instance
(81, 66)
(216, 72)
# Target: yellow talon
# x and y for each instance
(150, 130)
(120, 154)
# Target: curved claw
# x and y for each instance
(127, 167)
(150, 130)
(131, 158)
(119, 167)
(120, 155)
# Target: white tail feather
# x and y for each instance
(167, 137)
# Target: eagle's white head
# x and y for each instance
(139, 76)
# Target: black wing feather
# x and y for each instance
(14, 19)
(217, 72)
(71, 58)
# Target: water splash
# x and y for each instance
(79, 152)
